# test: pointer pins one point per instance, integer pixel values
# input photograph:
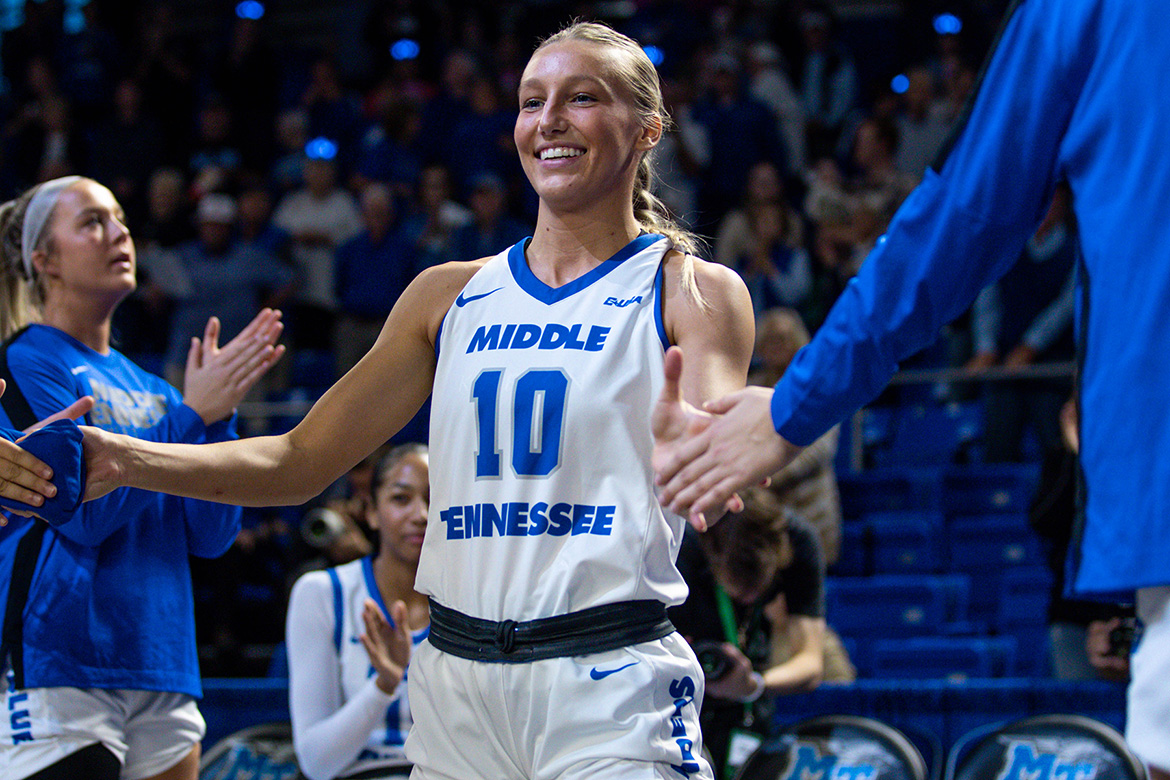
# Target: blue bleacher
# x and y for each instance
(896, 488)
(905, 542)
(895, 605)
(985, 488)
(985, 547)
(947, 657)
(925, 434)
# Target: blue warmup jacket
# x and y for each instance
(1071, 91)
(104, 600)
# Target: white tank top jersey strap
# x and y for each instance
(542, 492)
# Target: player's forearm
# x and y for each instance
(260, 471)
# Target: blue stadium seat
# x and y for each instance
(985, 547)
(992, 543)
(905, 542)
(896, 488)
(925, 434)
(1024, 593)
(952, 658)
(985, 488)
(895, 605)
(854, 558)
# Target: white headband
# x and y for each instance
(40, 206)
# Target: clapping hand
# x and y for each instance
(387, 646)
(217, 379)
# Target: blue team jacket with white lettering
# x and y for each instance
(1066, 94)
(104, 600)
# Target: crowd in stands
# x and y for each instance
(263, 172)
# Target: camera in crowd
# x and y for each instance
(712, 659)
(322, 527)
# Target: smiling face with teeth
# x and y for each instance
(578, 133)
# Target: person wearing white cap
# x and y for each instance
(98, 659)
(224, 279)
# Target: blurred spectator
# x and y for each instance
(142, 323)
(216, 159)
(849, 214)
(742, 132)
(436, 217)
(481, 137)
(777, 271)
(827, 80)
(90, 60)
(165, 66)
(807, 485)
(921, 122)
(763, 186)
(292, 134)
(256, 229)
(756, 610)
(319, 217)
(1025, 318)
(373, 268)
(222, 279)
(460, 68)
(682, 153)
(333, 111)
(245, 73)
(125, 149)
(769, 84)
(391, 150)
(492, 228)
(41, 139)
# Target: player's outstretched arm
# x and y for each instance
(361, 411)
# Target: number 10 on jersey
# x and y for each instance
(538, 421)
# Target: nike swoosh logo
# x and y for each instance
(78, 369)
(596, 674)
(462, 300)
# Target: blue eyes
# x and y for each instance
(580, 99)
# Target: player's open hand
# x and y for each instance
(388, 646)
(701, 469)
(217, 379)
(675, 424)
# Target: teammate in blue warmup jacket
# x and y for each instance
(548, 559)
(1065, 95)
(100, 666)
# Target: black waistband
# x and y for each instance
(593, 630)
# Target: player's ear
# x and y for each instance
(651, 134)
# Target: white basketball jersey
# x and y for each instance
(352, 584)
(542, 492)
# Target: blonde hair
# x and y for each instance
(639, 78)
(22, 294)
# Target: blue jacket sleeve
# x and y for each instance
(210, 527)
(961, 229)
(49, 387)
